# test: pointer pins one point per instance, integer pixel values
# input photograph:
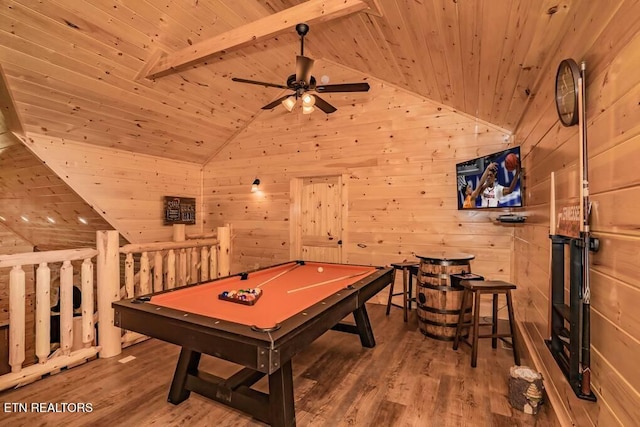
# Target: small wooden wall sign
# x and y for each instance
(179, 210)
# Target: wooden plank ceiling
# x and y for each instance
(76, 68)
(39, 207)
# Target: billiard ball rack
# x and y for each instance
(237, 296)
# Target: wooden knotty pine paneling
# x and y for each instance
(613, 90)
(125, 188)
(398, 152)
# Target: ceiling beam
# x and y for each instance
(310, 12)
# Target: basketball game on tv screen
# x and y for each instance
(491, 181)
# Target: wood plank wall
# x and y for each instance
(613, 117)
(398, 152)
(29, 190)
(125, 188)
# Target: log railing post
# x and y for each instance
(179, 234)
(66, 307)
(108, 291)
(213, 260)
(171, 269)
(129, 276)
(43, 312)
(157, 272)
(17, 301)
(204, 264)
(182, 267)
(224, 251)
(88, 332)
(193, 261)
(145, 274)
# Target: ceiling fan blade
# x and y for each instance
(277, 102)
(303, 68)
(344, 87)
(255, 82)
(324, 105)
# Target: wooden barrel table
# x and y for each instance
(438, 299)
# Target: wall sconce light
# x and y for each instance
(255, 185)
(289, 103)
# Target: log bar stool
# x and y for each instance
(474, 289)
(409, 269)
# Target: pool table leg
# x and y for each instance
(282, 411)
(364, 327)
(187, 364)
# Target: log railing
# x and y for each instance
(69, 352)
(163, 265)
(168, 265)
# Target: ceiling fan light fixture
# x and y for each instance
(308, 100)
(289, 103)
(302, 81)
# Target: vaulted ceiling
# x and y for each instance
(78, 69)
(154, 76)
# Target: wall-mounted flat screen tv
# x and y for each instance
(491, 181)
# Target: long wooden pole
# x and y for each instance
(552, 232)
(585, 234)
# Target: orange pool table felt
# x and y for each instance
(293, 291)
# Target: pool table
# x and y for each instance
(299, 301)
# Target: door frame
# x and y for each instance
(295, 223)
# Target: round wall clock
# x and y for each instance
(567, 92)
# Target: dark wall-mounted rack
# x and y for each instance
(566, 316)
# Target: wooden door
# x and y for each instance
(318, 208)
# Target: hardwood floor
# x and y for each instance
(406, 380)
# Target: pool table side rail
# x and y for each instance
(192, 333)
(239, 343)
(297, 335)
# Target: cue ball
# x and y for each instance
(320, 269)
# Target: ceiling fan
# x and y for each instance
(302, 82)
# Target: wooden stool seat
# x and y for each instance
(409, 269)
(488, 286)
(474, 289)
